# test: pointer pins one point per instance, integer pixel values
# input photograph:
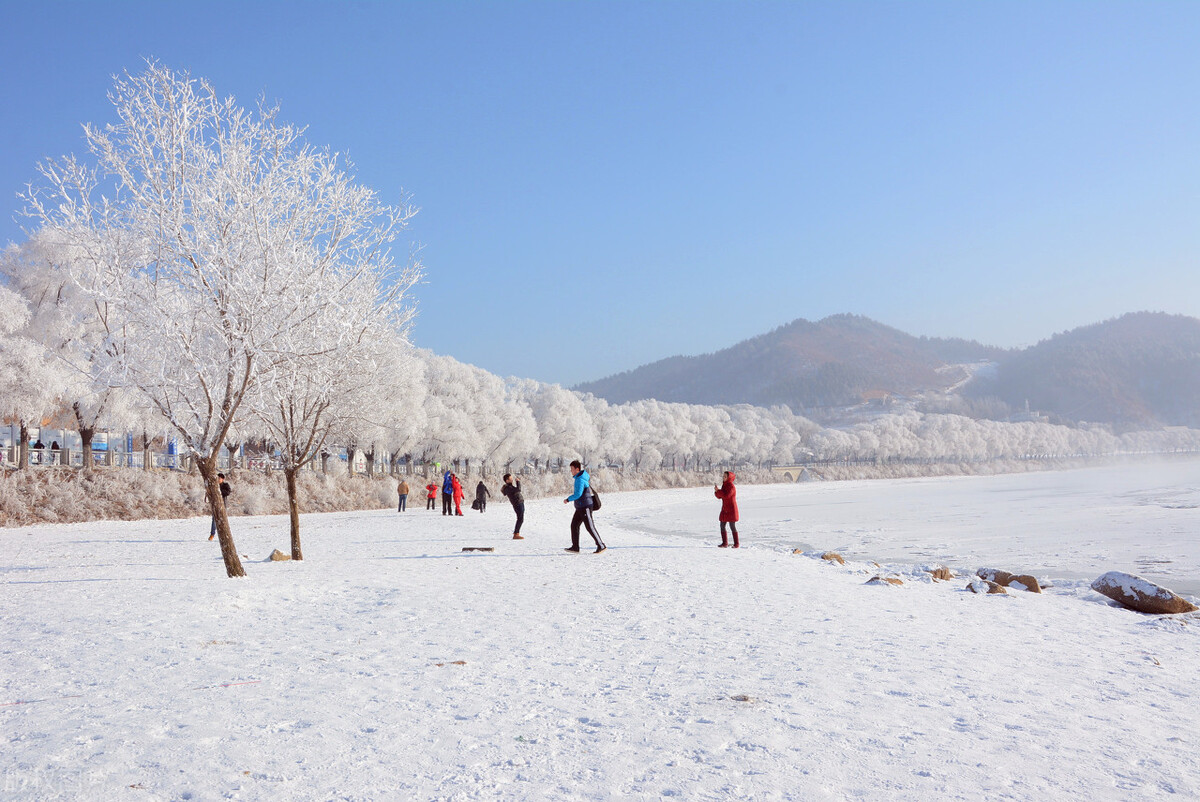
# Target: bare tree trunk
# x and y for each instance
(23, 455)
(147, 458)
(293, 511)
(351, 453)
(370, 455)
(86, 433)
(85, 437)
(216, 505)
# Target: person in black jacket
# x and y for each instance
(225, 491)
(481, 494)
(512, 489)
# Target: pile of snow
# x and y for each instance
(391, 664)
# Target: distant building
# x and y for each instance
(1028, 416)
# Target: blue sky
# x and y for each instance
(606, 184)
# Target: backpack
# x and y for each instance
(595, 499)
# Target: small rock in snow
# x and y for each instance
(1026, 582)
(985, 586)
(833, 557)
(995, 575)
(279, 556)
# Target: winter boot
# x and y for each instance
(736, 545)
(517, 537)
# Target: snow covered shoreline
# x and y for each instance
(390, 664)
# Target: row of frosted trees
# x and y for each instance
(460, 412)
(437, 409)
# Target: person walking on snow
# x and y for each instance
(582, 496)
(457, 491)
(447, 494)
(402, 492)
(512, 489)
(481, 494)
(431, 494)
(729, 511)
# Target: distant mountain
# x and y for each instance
(837, 361)
(1140, 369)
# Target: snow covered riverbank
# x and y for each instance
(390, 664)
(1142, 517)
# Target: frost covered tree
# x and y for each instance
(32, 381)
(74, 329)
(321, 391)
(452, 432)
(714, 434)
(201, 224)
(565, 429)
(518, 433)
(405, 409)
(614, 431)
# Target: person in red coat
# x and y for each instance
(458, 494)
(431, 497)
(729, 511)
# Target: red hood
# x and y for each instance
(732, 477)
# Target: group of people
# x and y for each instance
(582, 496)
(452, 495)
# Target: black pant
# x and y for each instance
(482, 502)
(519, 509)
(584, 516)
(431, 503)
(447, 504)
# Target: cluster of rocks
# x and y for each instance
(1128, 590)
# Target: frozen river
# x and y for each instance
(1140, 517)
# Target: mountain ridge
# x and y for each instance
(1137, 368)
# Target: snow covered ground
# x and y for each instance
(1140, 517)
(391, 665)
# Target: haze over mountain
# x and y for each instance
(832, 362)
(1140, 369)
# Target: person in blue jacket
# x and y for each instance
(447, 494)
(582, 496)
